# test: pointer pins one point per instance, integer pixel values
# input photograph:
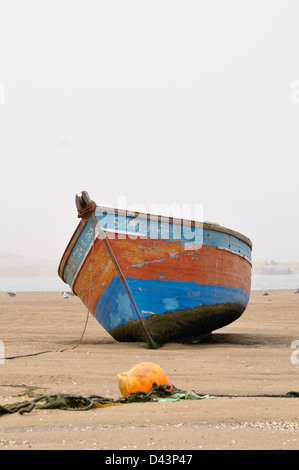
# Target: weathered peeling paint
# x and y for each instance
(205, 266)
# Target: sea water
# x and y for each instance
(54, 284)
(32, 284)
(274, 281)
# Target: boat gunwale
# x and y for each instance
(70, 246)
(178, 221)
(161, 218)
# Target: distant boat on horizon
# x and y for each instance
(276, 271)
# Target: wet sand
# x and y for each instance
(252, 356)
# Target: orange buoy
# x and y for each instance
(142, 376)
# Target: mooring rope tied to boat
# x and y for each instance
(86, 210)
(85, 213)
(89, 294)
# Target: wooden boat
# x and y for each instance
(156, 279)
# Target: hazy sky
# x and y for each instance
(156, 102)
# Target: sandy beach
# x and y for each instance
(252, 356)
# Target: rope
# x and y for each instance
(85, 210)
(85, 213)
(89, 295)
(72, 402)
